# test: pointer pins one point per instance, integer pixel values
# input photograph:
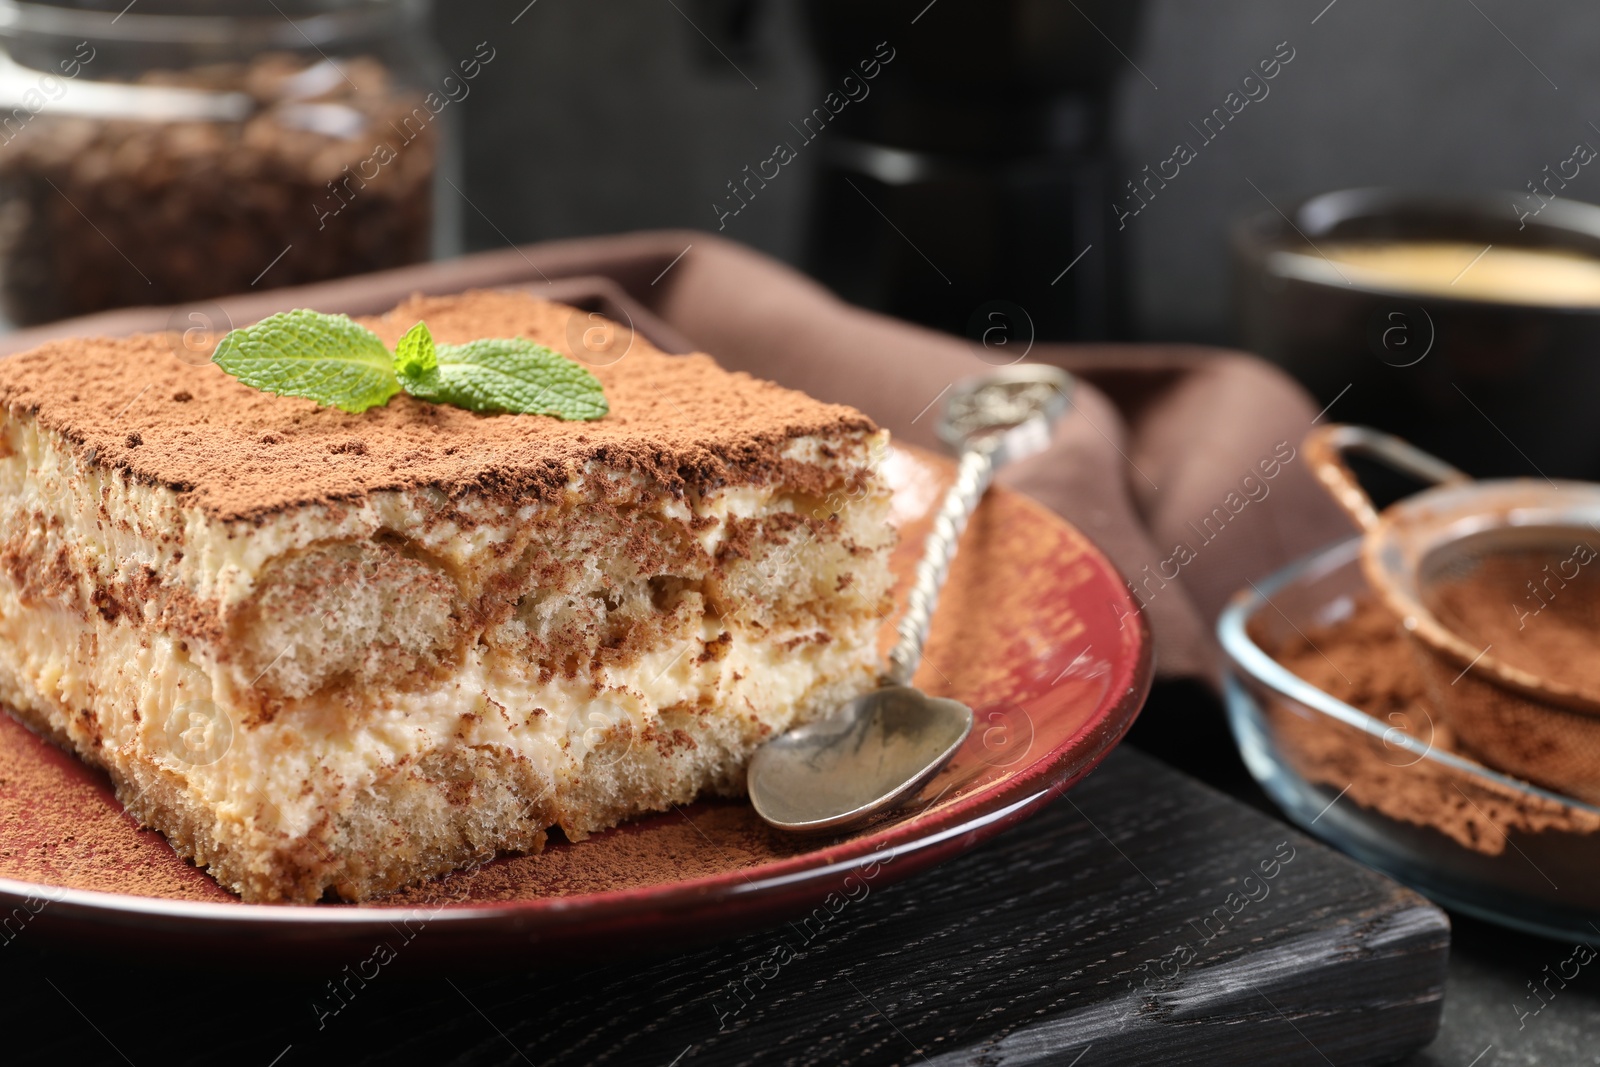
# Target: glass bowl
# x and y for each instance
(1386, 793)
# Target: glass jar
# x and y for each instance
(160, 153)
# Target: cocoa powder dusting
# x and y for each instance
(60, 826)
(240, 454)
(1368, 661)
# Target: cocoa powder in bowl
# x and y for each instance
(1366, 660)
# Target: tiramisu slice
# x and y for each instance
(343, 652)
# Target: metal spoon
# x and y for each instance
(878, 750)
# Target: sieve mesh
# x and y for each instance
(1529, 596)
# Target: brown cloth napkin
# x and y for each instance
(1181, 462)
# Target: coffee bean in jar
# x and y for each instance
(123, 183)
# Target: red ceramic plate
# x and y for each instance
(1035, 631)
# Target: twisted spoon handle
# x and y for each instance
(972, 478)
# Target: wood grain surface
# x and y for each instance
(1101, 932)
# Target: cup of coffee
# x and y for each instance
(1465, 322)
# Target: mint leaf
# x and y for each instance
(415, 355)
(326, 358)
(504, 374)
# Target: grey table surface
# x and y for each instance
(1492, 1019)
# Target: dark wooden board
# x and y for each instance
(1045, 946)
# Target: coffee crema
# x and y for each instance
(1547, 277)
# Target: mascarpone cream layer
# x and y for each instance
(125, 697)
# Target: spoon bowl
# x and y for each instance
(874, 752)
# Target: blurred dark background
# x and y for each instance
(617, 116)
(985, 179)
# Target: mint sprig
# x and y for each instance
(340, 363)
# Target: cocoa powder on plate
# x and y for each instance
(710, 838)
(60, 828)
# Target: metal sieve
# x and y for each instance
(1498, 585)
